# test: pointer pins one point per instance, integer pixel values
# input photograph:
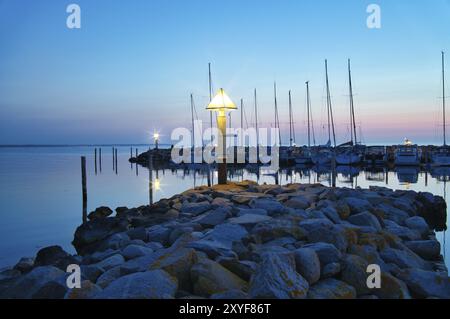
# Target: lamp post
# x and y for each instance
(156, 139)
(221, 103)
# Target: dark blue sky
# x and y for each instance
(130, 69)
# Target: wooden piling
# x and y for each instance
(113, 158)
(84, 187)
(95, 160)
(116, 159)
(100, 158)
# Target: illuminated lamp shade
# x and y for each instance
(221, 102)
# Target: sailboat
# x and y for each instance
(348, 155)
(407, 154)
(325, 154)
(304, 157)
(441, 156)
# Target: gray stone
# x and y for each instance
(25, 264)
(254, 211)
(209, 277)
(249, 219)
(154, 284)
(158, 234)
(276, 278)
(427, 249)
(100, 212)
(215, 217)
(138, 233)
(298, 202)
(330, 270)
(91, 272)
(419, 224)
(358, 205)
(394, 214)
(272, 206)
(244, 269)
(331, 289)
(327, 253)
(88, 290)
(111, 262)
(354, 273)
(316, 223)
(34, 282)
(307, 264)
(195, 209)
(404, 259)
(134, 251)
(426, 284)
(391, 288)
(109, 276)
(365, 219)
(402, 232)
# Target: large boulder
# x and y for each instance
(249, 220)
(133, 251)
(358, 205)
(404, 259)
(41, 282)
(215, 217)
(209, 277)
(354, 273)
(307, 264)
(195, 209)
(391, 288)
(272, 206)
(88, 290)
(100, 212)
(365, 219)
(427, 249)
(327, 253)
(331, 289)
(402, 232)
(298, 202)
(54, 256)
(111, 262)
(425, 284)
(276, 278)
(277, 228)
(154, 284)
(419, 224)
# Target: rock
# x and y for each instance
(331, 214)
(307, 264)
(425, 284)
(316, 223)
(138, 233)
(272, 206)
(368, 253)
(209, 277)
(91, 272)
(100, 212)
(403, 259)
(354, 273)
(90, 233)
(109, 276)
(365, 219)
(226, 234)
(331, 289)
(134, 251)
(154, 284)
(34, 283)
(358, 205)
(246, 198)
(178, 263)
(276, 228)
(54, 256)
(195, 209)
(419, 224)
(334, 235)
(298, 202)
(87, 291)
(391, 288)
(215, 217)
(327, 253)
(25, 264)
(427, 249)
(276, 278)
(330, 270)
(253, 211)
(158, 234)
(244, 269)
(404, 233)
(394, 214)
(249, 220)
(230, 295)
(111, 262)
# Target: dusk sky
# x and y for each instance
(131, 67)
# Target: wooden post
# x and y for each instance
(115, 153)
(333, 170)
(113, 158)
(136, 153)
(100, 158)
(95, 160)
(84, 188)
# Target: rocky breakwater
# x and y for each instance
(245, 240)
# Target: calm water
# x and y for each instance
(41, 191)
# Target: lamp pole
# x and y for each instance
(222, 144)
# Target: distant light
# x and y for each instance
(156, 136)
(408, 142)
(157, 184)
(221, 102)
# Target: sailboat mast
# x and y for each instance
(443, 97)
(192, 121)
(308, 113)
(290, 119)
(256, 121)
(210, 98)
(329, 107)
(352, 106)
(277, 122)
(242, 114)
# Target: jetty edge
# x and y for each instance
(244, 240)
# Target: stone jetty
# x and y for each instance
(244, 240)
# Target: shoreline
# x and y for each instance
(235, 241)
